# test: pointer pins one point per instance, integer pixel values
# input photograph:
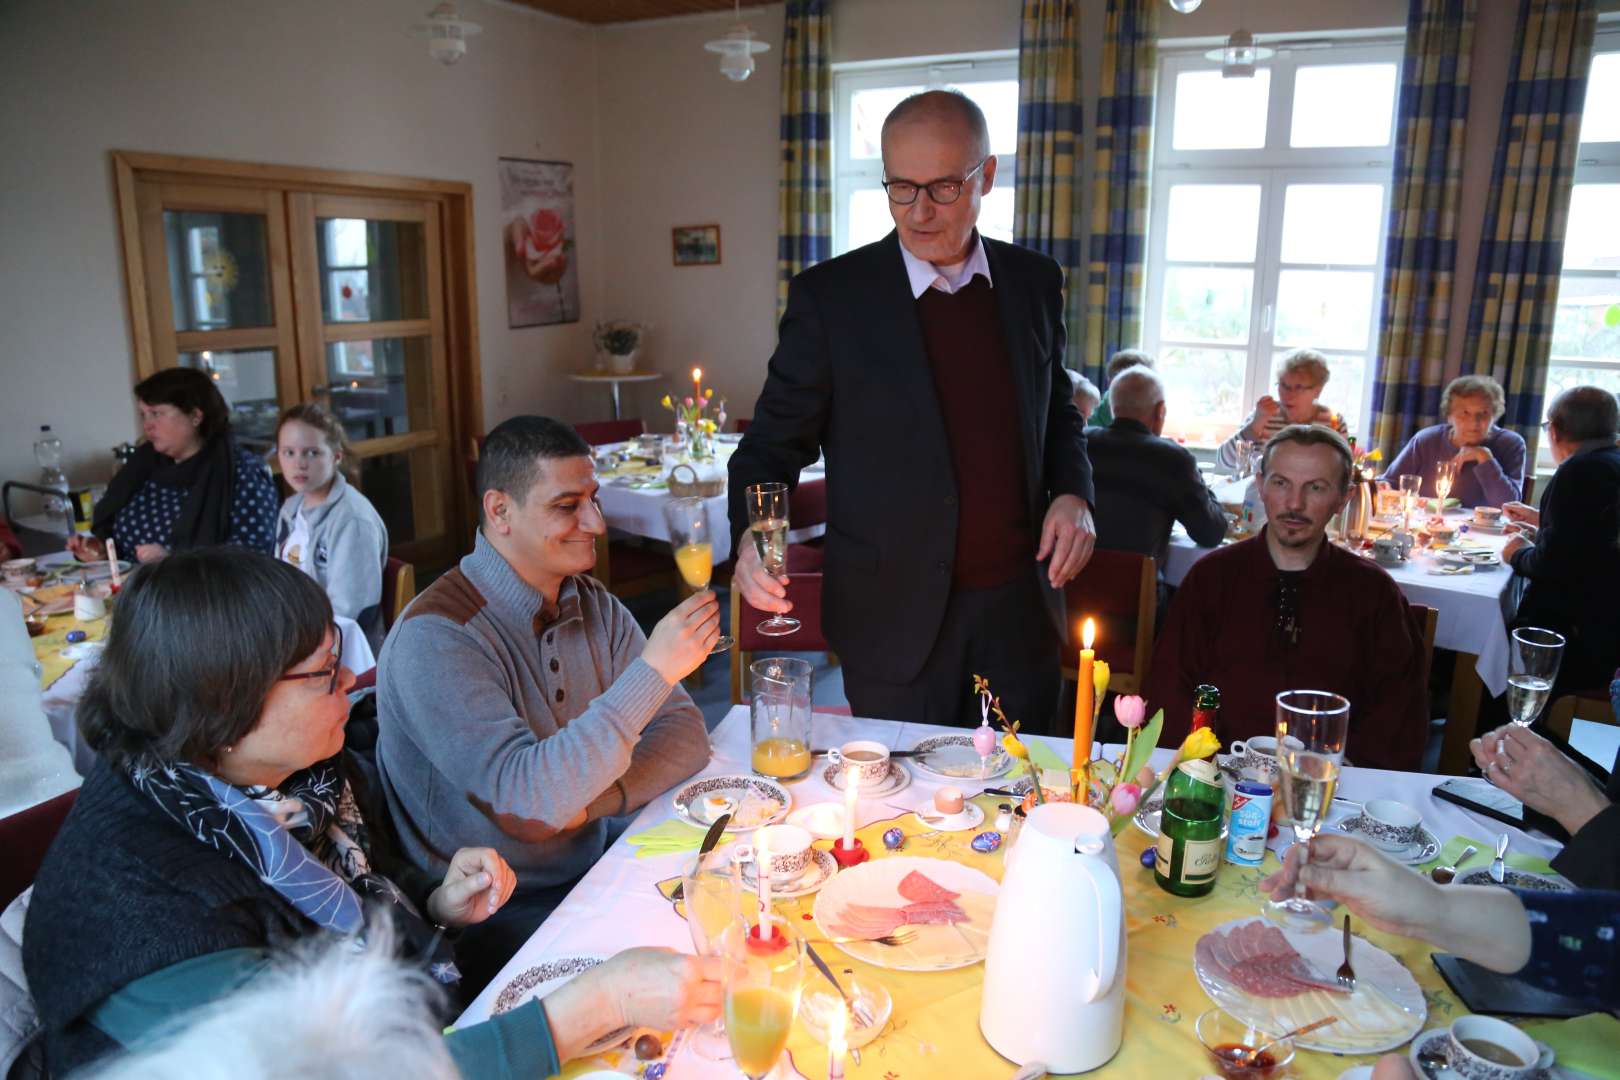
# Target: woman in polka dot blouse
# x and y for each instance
(189, 484)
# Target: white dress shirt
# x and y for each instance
(947, 279)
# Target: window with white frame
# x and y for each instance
(865, 92)
(1268, 216)
(1586, 326)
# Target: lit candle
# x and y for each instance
(762, 870)
(836, 1045)
(852, 791)
(1083, 698)
(697, 383)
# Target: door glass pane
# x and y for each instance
(1203, 392)
(1207, 304)
(371, 270)
(1213, 113)
(1593, 239)
(1213, 222)
(218, 269)
(1332, 223)
(1324, 309)
(867, 108)
(869, 218)
(247, 381)
(1343, 105)
(381, 386)
(1587, 325)
(406, 491)
(1347, 382)
(1600, 120)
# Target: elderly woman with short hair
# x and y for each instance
(1490, 459)
(1304, 373)
(223, 819)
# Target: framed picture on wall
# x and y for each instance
(697, 245)
(537, 234)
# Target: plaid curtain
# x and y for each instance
(804, 195)
(1119, 194)
(1521, 251)
(1421, 251)
(1046, 207)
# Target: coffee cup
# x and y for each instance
(17, 571)
(1258, 753)
(1390, 825)
(869, 759)
(789, 846)
(1488, 515)
(1387, 551)
(1484, 1048)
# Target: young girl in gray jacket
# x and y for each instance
(326, 527)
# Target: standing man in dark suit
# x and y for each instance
(928, 367)
(1572, 568)
(1147, 482)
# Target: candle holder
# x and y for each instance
(848, 857)
(763, 943)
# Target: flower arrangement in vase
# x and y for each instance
(692, 422)
(619, 340)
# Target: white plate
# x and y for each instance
(817, 872)
(1385, 1010)
(899, 779)
(953, 757)
(1513, 879)
(935, 948)
(971, 817)
(1420, 851)
(758, 801)
(542, 979)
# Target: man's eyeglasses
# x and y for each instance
(942, 192)
(330, 673)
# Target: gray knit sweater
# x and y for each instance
(497, 726)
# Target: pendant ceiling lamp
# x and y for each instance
(447, 33)
(737, 49)
(1239, 54)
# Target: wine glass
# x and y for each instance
(768, 525)
(688, 521)
(1444, 478)
(1532, 670)
(712, 891)
(764, 976)
(1411, 488)
(1311, 730)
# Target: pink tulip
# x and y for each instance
(688, 402)
(1124, 798)
(1130, 710)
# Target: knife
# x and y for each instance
(1499, 865)
(710, 839)
(855, 1007)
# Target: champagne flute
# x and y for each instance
(1411, 488)
(712, 891)
(688, 521)
(1311, 729)
(764, 977)
(1532, 670)
(768, 525)
(1445, 476)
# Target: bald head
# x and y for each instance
(1137, 394)
(942, 108)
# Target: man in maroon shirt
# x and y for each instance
(929, 369)
(1287, 610)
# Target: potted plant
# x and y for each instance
(618, 344)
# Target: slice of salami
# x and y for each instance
(939, 913)
(919, 888)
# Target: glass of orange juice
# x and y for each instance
(688, 520)
(764, 976)
(779, 710)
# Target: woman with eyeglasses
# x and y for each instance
(224, 819)
(1299, 384)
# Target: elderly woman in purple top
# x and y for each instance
(1490, 460)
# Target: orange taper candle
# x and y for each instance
(1083, 697)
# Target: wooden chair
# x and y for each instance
(1528, 496)
(1425, 619)
(805, 592)
(1119, 589)
(1593, 705)
(601, 432)
(399, 586)
(24, 837)
(628, 569)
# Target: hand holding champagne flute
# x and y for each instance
(1532, 670)
(764, 975)
(768, 526)
(1312, 726)
(688, 521)
(712, 892)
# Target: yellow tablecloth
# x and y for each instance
(49, 645)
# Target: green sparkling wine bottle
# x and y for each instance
(1189, 848)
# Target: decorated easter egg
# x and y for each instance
(894, 839)
(986, 842)
(75, 636)
(1147, 858)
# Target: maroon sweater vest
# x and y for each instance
(978, 402)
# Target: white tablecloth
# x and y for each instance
(617, 904)
(1472, 607)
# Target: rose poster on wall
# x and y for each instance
(537, 212)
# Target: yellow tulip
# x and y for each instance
(1199, 744)
(668, 404)
(1014, 747)
(709, 394)
(1099, 679)
(1377, 454)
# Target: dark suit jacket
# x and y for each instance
(1145, 484)
(850, 377)
(1573, 571)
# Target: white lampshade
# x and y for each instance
(447, 33)
(1185, 7)
(737, 51)
(1239, 55)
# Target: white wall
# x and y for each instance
(295, 82)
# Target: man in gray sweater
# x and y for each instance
(519, 704)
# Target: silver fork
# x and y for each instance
(901, 937)
(1346, 974)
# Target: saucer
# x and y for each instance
(1421, 850)
(822, 820)
(758, 801)
(815, 874)
(971, 817)
(898, 779)
(1432, 1042)
(953, 757)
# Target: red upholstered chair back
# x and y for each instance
(24, 836)
(805, 592)
(808, 506)
(1117, 589)
(600, 432)
(740, 424)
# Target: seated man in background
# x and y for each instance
(519, 705)
(1145, 482)
(1286, 609)
(1572, 568)
(1490, 459)
(1125, 358)
(1304, 373)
